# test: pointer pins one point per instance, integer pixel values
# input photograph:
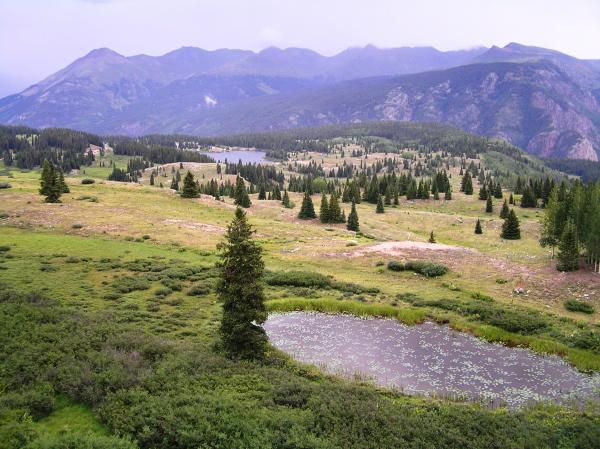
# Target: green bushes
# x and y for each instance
(81, 441)
(574, 305)
(88, 181)
(4, 248)
(310, 279)
(128, 284)
(5, 185)
(429, 269)
(198, 290)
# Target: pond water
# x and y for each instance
(249, 156)
(429, 359)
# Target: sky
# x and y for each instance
(39, 37)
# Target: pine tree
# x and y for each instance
(64, 188)
(510, 228)
(335, 212)
(448, 194)
(240, 196)
(528, 199)
(431, 238)
(568, 249)
(551, 226)
(241, 292)
(468, 184)
(307, 211)
(324, 214)
(262, 193)
(478, 229)
(489, 206)
(511, 199)
(50, 183)
(286, 200)
(353, 224)
(504, 211)
(152, 178)
(190, 188)
(380, 209)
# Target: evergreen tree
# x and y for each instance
(336, 214)
(489, 206)
(190, 188)
(353, 224)
(174, 184)
(50, 183)
(307, 211)
(511, 200)
(448, 194)
(528, 199)
(262, 193)
(324, 214)
(551, 227)
(241, 197)
(379, 209)
(483, 193)
(468, 184)
(504, 211)
(568, 249)
(64, 188)
(241, 291)
(286, 200)
(431, 238)
(152, 178)
(511, 229)
(478, 229)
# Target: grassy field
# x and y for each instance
(145, 256)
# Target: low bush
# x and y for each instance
(579, 306)
(198, 290)
(5, 185)
(77, 226)
(429, 269)
(3, 215)
(129, 284)
(88, 181)
(298, 279)
(4, 248)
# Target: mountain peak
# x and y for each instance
(102, 53)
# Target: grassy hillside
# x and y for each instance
(111, 318)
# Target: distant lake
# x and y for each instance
(250, 156)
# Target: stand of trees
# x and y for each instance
(572, 223)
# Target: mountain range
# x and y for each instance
(544, 101)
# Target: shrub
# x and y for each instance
(298, 279)
(72, 259)
(77, 226)
(88, 181)
(198, 290)
(5, 185)
(4, 248)
(429, 269)
(395, 266)
(164, 291)
(128, 284)
(3, 215)
(579, 306)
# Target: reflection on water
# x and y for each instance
(428, 359)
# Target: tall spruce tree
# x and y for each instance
(380, 209)
(64, 188)
(241, 197)
(353, 224)
(432, 238)
(50, 186)
(336, 214)
(478, 229)
(286, 200)
(307, 210)
(241, 292)
(568, 249)
(489, 206)
(448, 194)
(324, 214)
(504, 211)
(190, 188)
(511, 229)
(468, 184)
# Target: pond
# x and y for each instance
(429, 359)
(249, 156)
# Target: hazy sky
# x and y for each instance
(38, 37)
